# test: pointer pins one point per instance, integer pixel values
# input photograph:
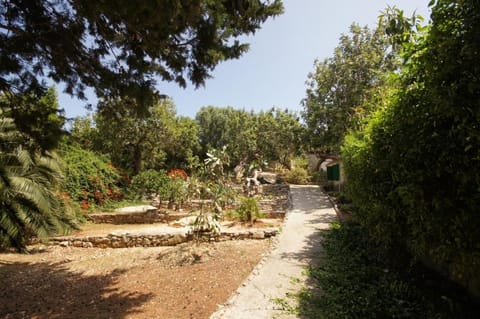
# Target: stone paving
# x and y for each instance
(298, 245)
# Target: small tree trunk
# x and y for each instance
(137, 160)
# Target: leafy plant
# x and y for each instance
(90, 179)
(205, 222)
(215, 163)
(150, 182)
(413, 171)
(297, 175)
(175, 191)
(356, 280)
(222, 195)
(248, 210)
(31, 203)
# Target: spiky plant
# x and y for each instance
(29, 181)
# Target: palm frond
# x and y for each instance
(29, 182)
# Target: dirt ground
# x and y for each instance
(186, 281)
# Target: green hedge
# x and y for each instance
(414, 171)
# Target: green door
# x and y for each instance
(333, 172)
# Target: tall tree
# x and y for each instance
(279, 136)
(120, 48)
(128, 137)
(228, 127)
(181, 142)
(340, 86)
(134, 141)
(38, 117)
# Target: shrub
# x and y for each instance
(248, 211)
(356, 280)
(175, 192)
(150, 182)
(297, 175)
(414, 172)
(90, 178)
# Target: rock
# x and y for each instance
(137, 209)
(118, 244)
(64, 243)
(101, 241)
(258, 235)
(227, 224)
(271, 232)
(77, 243)
(186, 221)
(267, 178)
(87, 244)
(177, 239)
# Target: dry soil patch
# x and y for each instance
(185, 281)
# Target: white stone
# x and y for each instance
(64, 243)
(137, 209)
(258, 235)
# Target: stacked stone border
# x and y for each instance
(154, 240)
(275, 207)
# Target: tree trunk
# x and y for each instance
(137, 159)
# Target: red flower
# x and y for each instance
(177, 173)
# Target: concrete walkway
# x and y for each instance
(298, 245)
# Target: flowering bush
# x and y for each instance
(177, 173)
(90, 179)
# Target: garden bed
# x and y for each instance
(186, 281)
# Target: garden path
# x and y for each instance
(282, 271)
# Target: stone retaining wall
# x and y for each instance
(148, 217)
(149, 240)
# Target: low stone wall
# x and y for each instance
(154, 240)
(121, 241)
(148, 217)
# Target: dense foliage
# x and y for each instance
(30, 186)
(155, 139)
(272, 136)
(279, 136)
(130, 44)
(357, 280)
(159, 139)
(90, 179)
(120, 50)
(150, 182)
(38, 118)
(340, 86)
(227, 127)
(414, 170)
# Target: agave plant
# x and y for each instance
(29, 202)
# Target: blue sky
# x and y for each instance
(274, 71)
